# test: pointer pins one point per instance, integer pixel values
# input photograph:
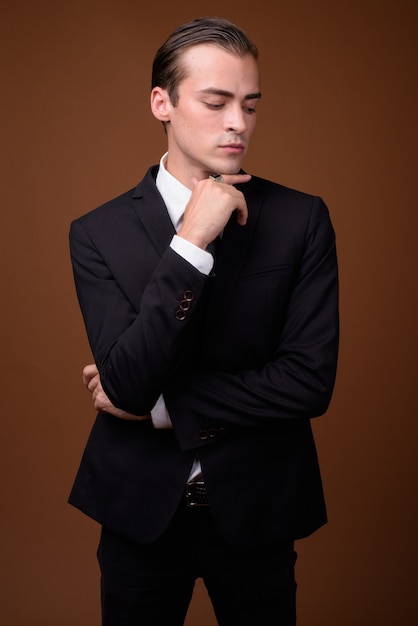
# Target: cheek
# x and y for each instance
(184, 132)
(194, 134)
(251, 124)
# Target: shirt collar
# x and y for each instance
(173, 192)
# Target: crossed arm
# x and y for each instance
(91, 380)
(296, 382)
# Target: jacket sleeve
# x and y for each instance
(137, 346)
(297, 382)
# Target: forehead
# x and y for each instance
(212, 64)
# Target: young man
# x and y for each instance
(201, 462)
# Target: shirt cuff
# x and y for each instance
(200, 259)
(159, 415)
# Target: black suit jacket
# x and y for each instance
(245, 358)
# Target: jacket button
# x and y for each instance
(203, 434)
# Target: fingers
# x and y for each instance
(100, 400)
(234, 179)
(242, 213)
(227, 179)
(210, 206)
(89, 372)
(91, 378)
(240, 204)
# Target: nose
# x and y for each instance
(235, 119)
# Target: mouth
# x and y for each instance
(233, 148)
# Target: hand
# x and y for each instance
(210, 207)
(91, 379)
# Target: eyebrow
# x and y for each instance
(229, 94)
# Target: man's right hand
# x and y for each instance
(210, 207)
(91, 379)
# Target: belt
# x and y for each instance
(196, 494)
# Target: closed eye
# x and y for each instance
(211, 105)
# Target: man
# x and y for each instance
(201, 462)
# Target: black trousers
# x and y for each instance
(152, 585)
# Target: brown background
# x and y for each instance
(338, 119)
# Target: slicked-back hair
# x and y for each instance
(168, 70)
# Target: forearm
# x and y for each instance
(285, 389)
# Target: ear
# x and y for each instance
(160, 104)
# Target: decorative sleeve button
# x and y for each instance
(188, 295)
(185, 304)
(211, 432)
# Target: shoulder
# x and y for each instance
(275, 191)
(107, 211)
(114, 209)
(288, 218)
(285, 203)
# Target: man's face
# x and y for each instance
(209, 129)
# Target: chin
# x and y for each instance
(231, 167)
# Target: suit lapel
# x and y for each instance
(152, 212)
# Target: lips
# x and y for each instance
(233, 148)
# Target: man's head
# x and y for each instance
(205, 90)
(168, 70)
